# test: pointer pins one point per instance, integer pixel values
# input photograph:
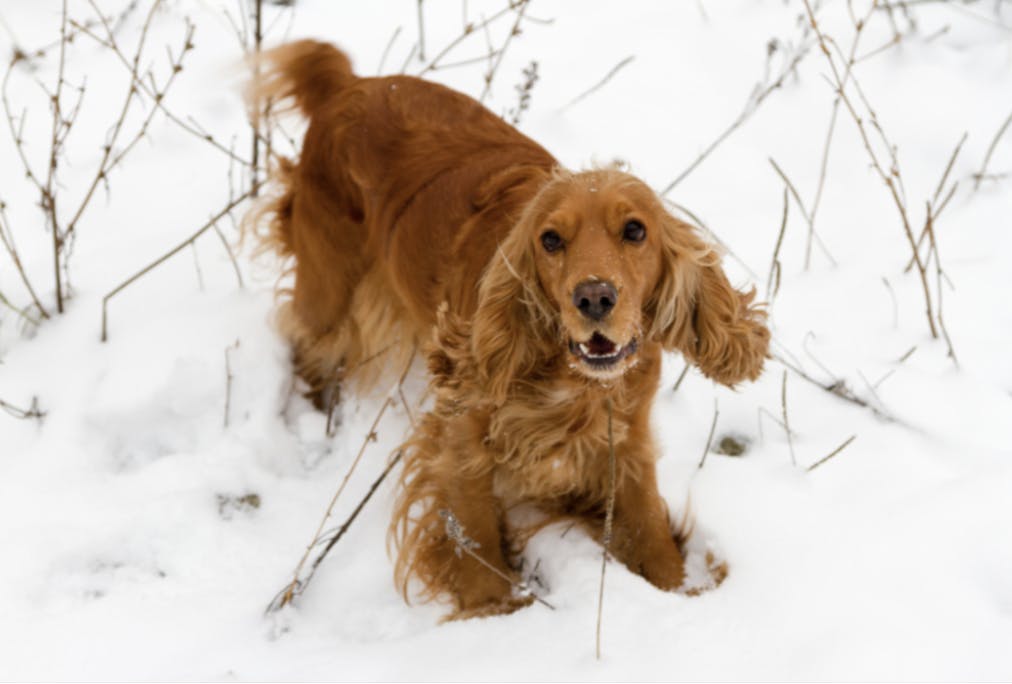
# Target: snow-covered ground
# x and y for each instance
(132, 544)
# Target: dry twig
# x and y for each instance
(938, 202)
(774, 276)
(899, 361)
(172, 252)
(465, 545)
(524, 89)
(890, 176)
(228, 381)
(681, 377)
(258, 38)
(421, 32)
(62, 232)
(759, 419)
(713, 236)
(609, 518)
(940, 274)
(709, 437)
(32, 411)
(758, 95)
(298, 584)
(520, 6)
(283, 597)
(7, 238)
(437, 61)
(831, 454)
(809, 217)
(386, 50)
(22, 313)
(892, 297)
(156, 96)
(787, 423)
(600, 84)
(982, 174)
(839, 388)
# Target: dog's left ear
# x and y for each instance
(695, 310)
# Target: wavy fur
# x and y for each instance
(414, 215)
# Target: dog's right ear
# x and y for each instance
(511, 329)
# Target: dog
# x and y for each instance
(544, 298)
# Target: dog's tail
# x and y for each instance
(309, 75)
(309, 72)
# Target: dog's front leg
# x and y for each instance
(482, 581)
(642, 537)
(449, 523)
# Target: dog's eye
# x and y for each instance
(634, 231)
(551, 241)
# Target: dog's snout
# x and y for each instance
(595, 299)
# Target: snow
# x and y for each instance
(128, 552)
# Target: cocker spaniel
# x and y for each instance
(543, 298)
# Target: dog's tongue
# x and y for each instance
(600, 345)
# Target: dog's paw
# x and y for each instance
(664, 568)
(491, 608)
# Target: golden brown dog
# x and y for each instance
(416, 216)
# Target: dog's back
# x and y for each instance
(403, 190)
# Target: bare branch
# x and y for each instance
(48, 196)
(421, 32)
(108, 161)
(7, 238)
(228, 381)
(600, 84)
(980, 175)
(521, 7)
(172, 252)
(189, 126)
(32, 411)
(774, 260)
(231, 255)
(609, 518)
(755, 100)
(709, 437)
(681, 377)
(468, 30)
(892, 177)
(831, 454)
(713, 236)
(838, 387)
(787, 424)
(464, 544)
(386, 50)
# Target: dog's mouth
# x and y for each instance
(600, 353)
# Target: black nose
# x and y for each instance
(595, 299)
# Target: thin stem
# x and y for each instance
(774, 260)
(751, 105)
(990, 150)
(787, 424)
(709, 437)
(609, 518)
(172, 252)
(600, 84)
(831, 454)
(48, 197)
(515, 31)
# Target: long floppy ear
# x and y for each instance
(513, 326)
(696, 311)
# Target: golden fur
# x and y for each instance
(416, 216)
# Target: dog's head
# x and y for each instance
(594, 269)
